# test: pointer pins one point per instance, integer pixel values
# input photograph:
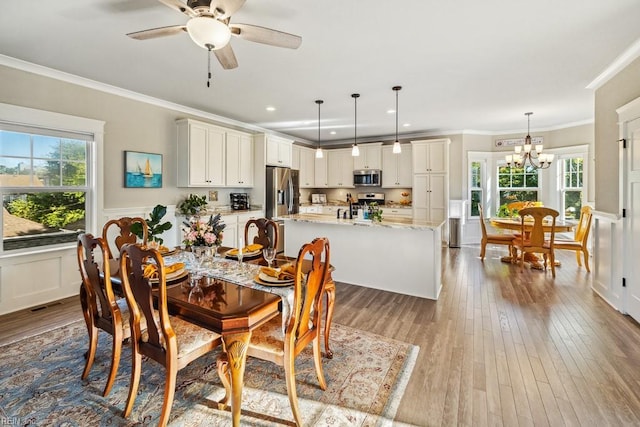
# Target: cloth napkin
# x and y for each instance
(151, 270)
(249, 248)
(285, 272)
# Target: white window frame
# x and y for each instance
(29, 117)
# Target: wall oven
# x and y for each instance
(367, 178)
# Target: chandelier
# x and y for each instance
(529, 152)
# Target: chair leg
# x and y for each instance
(552, 259)
(317, 361)
(483, 248)
(136, 361)
(578, 259)
(115, 359)
(330, 290)
(169, 392)
(91, 353)
(586, 259)
(222, 365)
(290, 375)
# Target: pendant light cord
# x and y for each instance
(355, 97)
(209, 65)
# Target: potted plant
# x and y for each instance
(192, 205)
(156, 228)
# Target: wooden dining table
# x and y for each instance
(515, 224)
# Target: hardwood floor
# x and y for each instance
(500, 346)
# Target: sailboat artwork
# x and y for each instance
(142, 170)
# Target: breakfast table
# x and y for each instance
(515, 224)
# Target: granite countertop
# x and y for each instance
(388, 223)
(226, 210)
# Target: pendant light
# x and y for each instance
(396, 145)
(319, 154)
(532, 153)
(355, 151)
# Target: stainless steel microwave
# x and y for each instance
(367, 178)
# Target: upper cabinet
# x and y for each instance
(339, 168)
(201, 154)
(307, 167)
(239, 159)
(430, 156)
(320, 172)
(396, 168)
(370, 157)
(278, 151)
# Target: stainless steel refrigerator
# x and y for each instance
(282, 197)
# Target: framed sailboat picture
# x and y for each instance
(142, 170)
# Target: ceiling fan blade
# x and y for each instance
(225, 8)
(226, 57)
(158, 32)
(180, 7)
(264, 35)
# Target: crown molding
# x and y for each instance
(618, 64)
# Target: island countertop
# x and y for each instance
(403, 223)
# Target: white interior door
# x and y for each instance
(632, 220)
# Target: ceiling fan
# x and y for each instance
(209, 28)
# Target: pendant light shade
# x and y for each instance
(355, 151)
(396, 145)
(319, 153)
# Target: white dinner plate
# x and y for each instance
(179, 274)
(270, 279)
(259, 281)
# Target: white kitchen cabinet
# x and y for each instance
(391, 213)
(278, 151)
(339, 168)
(295, 157)
(239, 159)
(201, 154)
(307, 167)
(430, 156)
(320, 172)
(430, 197)
(370, 157)
(397, 168)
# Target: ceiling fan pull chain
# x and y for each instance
(209, 67)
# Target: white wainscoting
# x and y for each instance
(607, 257)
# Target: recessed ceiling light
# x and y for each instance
(406, 125)
(391, 111)
(333, 132)
(270, 108)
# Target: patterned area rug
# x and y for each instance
(41, 385)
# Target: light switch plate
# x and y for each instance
(213, 196)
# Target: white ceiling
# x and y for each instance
(464, 65)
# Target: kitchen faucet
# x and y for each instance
(338, 215)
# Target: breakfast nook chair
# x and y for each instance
(267, 232)
(581, 238)
(125, 235)
(100, 307)
(533, 240)
(269, 342)
(168, 340)
(495, 239)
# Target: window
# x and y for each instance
(571, 187)
(43, 185)
(517, 184)
(475, 187)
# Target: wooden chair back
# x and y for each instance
(483, 225)
(165, 335)
(536, 234)
(267, 232)
(124, 234)
(584, 226)
(100, 306)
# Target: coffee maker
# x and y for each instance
(239, 201)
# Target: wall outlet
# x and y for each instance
(213, 196)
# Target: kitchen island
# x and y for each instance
(399, 255)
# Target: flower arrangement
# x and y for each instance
(200, 233)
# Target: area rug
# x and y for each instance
(40, 384)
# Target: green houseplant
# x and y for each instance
(192, 205)
(156, 227)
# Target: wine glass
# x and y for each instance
(269, 255)
(196, 295)
(240, 254)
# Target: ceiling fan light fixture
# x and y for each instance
(207, 31)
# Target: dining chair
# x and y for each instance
(533, 239)
(270, 342)
(580, 241)
(100, 307)
(168, 340)
(124, 234)
(267, 232)
(496, 239)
